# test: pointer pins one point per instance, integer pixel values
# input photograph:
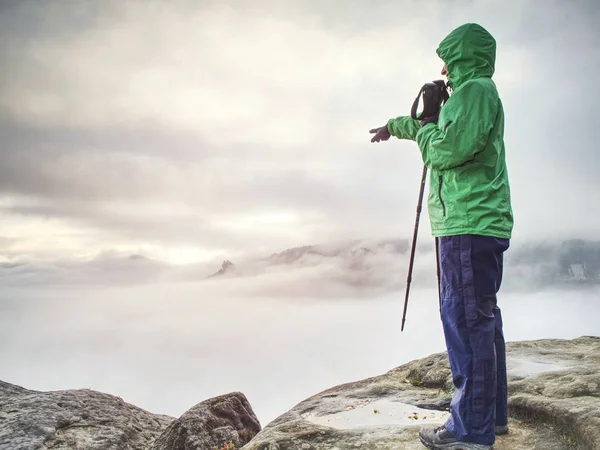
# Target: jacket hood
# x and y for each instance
(469, 51)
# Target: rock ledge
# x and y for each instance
(554, 403)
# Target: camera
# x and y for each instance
(434, 95)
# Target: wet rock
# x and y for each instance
(226, 419)
(554, 404)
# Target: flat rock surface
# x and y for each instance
(554, 404)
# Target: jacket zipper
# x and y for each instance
(440, 195)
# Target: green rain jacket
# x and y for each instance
(469, 189)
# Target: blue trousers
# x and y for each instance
(470, 277)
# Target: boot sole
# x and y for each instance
(455, 446)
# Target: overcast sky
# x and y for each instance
(190, 129)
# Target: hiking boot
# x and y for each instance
(438, 438)
(501, 429)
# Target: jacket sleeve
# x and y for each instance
(468, 118)
(404, 127)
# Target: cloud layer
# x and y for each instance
(166, 347)
(204, 129)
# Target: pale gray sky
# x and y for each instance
(190, 129)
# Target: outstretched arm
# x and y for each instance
(404, 127)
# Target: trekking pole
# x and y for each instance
(414, 243)
(437, 263)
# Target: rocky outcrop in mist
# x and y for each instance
(373, 267)
(226, 268)
(383, 264)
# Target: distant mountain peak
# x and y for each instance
(226, 268)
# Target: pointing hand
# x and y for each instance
(381, 134)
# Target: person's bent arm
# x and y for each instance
(469, 118)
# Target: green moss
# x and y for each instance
(416, 380)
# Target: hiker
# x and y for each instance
(471, 218)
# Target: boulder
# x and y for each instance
(554, 404)
(223, 422)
